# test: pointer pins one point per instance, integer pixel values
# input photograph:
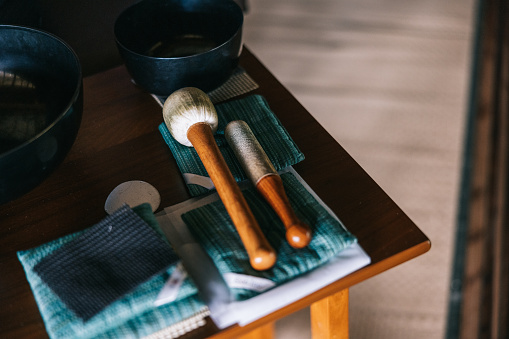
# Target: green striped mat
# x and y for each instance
(213, 229)
(267, 128)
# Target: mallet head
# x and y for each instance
(186, 107)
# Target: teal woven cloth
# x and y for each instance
(267, 128)
(213, 229)
(132, 316)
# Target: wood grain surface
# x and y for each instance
(119, 141)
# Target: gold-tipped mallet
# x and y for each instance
(192, 120)
(263, 175)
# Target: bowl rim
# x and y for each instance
(148, 57)
(72, 100)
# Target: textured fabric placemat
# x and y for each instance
(267, 128)
(239, 83)
(131, 316)
(213, 229)
(105, 262)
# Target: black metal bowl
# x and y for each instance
(41, 103)
(170, 44)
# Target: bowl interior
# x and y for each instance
(39, 77)
(177, 28)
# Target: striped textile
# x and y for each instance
(107, 261)
(239, 83)
(267, 128)
(213, 229)
(131, 316)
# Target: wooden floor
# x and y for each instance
(389, 80)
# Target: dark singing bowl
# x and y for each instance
(41, 103)
(170, 44)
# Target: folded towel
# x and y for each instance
(267, 128)
(213, 229)
(132, 314)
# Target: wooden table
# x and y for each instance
(119, 141)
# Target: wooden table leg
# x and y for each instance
(329, 317)
(263, 332)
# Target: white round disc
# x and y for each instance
(132, 193)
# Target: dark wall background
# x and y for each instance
(86, 25)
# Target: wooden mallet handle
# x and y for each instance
(298, 234)
(261, 255)
(262, 174)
